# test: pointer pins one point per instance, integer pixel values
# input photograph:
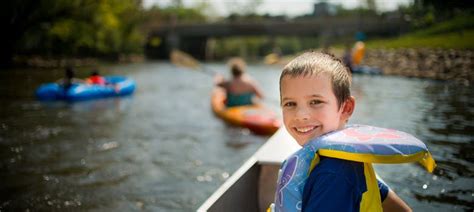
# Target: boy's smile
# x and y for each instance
(310, 107)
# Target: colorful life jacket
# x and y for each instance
(359, 143)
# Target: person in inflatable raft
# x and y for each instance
(316, 100)
(96, 79)
(69, 78)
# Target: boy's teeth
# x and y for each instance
(304, 129)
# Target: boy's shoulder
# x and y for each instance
(334, 180)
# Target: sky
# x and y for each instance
(279, 7)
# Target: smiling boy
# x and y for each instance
(315, 99)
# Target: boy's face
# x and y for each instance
(310, 107)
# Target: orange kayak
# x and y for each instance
(257, 118)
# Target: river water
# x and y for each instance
(162, 149)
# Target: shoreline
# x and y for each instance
(454, 65)
(37, 61)
(438, 64)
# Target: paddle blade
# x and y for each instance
(182, 59)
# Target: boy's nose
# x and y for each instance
(302, 114)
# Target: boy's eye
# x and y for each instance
(315, 102)
(289, 104)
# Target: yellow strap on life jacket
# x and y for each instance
(424, 158)
(371, 200)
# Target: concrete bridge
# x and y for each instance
(192, 38)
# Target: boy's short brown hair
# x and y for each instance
(314, 63)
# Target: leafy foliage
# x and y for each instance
(103, 28)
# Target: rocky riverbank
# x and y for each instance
(440, 64)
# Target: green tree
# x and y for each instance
(425, 13)
(71, 28)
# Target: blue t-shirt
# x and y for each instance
(337, 185)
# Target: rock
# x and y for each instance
(439, 64)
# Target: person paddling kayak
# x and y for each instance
(241, 89)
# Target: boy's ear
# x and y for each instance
(348, 108)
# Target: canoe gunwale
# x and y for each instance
(259, 172)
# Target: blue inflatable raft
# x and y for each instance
(116, 86)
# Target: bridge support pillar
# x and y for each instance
(195, 46)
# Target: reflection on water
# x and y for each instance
(162, 149)
(439, 113)
(450, 134)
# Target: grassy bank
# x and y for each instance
(457, 33)
(454, 40)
